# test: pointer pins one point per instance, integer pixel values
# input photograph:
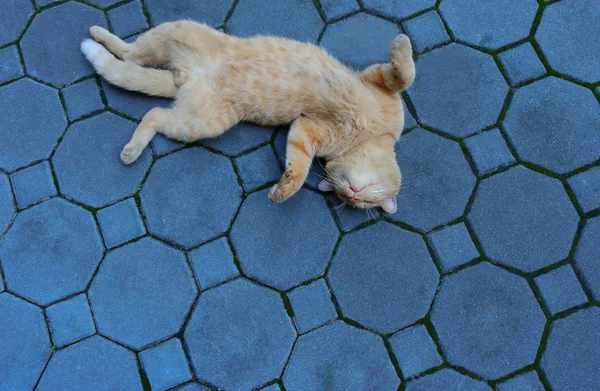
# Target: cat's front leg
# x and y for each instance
(302, 144)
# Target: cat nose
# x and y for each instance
(355, 189)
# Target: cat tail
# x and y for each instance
(128, 75)
(398, 75)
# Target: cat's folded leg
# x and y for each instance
(146, 130)
(302, 144)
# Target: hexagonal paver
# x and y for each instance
(131, 103)
(65, 26)
(92, 364)
(25, 346)
(295, 19)
(15, 14)
(7, 205)
(554, 123)
(129, 18)
(87, 162)
(458, 90)
(489, 24)
(51, 251)
(239, 336)
(30, 131)
(567, 34)
(315, 363)
(397, 9)
(240, 138)
(360, 40)
(11, 64)
(134, 300)
(437, 180)
(211, 12)
(488, 321)
(572, 356)
(426, 31)
(283, 245)
(524, 219)
(447, 380)
(586, 257)
(190, 197)
(383, 277)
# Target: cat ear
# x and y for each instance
(390, 206)
(325, 186)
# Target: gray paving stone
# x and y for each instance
(522, 63)
(523, 219)
(560, 289)
(295, 19)
(25, 346)
(120, 223)
(333, 9)
(586, 187)
(426, 31)
(415, 351)
(409, 120)
(127, 19)
(396, 289)
(162, 145)
(488, 321)
(103, 3)
(134, 301)
(95, 143)
(458, 90)
(315, 362)
(554, 123)
(258, 168)
(193, 387)
(528, 381)
(239, 336)
(453, 246)
(70, 320)
(15, 14)
(82, 99)
(1, 285)
(397, 9)
(272, 387)
(437, 180)
(92, 364)
(131, 103)
(43, 3)
(489, 24)
(65, 26)
(33, 184)
(586, 257)
(213, 263)
(10, 64)
(349, 218)
(7, 206)
(360, 40)
(33, 129)
(166, 365)
(211, 12)
(190, 197)
(51, 251)
(489, 151)
(447, 380)
(567, 34)
(240, 138)
(312, 306)
(572, 356)
(281, 244)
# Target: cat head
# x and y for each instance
(367, 177)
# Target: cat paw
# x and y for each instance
(283, 190)
(98, 33)
(179, 77)
(130, 153)
(401, 46)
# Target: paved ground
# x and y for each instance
(177, 271)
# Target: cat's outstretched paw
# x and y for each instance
(99, 34)
(95, 53)
(130, 153)
(283, 190)
(401, 47)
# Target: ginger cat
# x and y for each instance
(350, 119)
